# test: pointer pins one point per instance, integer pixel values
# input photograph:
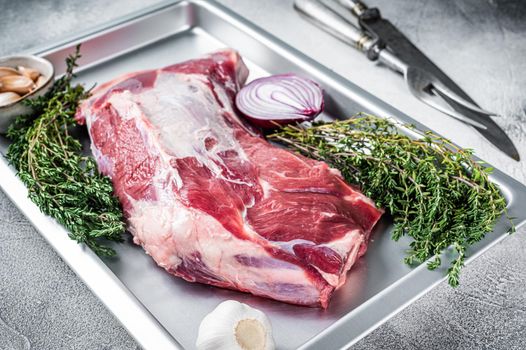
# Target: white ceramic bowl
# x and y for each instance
(10, 111)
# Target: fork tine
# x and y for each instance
(419, 83)
(439, 89)
(451, 112)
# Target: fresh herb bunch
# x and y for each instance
(436, 192)
(61, 181)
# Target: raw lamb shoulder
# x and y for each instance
(210, 199)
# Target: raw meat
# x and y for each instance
(213, 202)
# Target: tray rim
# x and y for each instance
(149, 333)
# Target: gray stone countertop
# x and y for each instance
(480, 43)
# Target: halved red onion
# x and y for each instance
(281, 99)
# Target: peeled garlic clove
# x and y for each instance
(5, 71)
(40, 81)
(235, 326)
(8, 98)
(16, 83)
(31, 73)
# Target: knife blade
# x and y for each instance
(371, 20)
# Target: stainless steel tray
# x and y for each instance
(163, 312)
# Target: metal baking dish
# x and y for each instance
(163, 312)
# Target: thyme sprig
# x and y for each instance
(435, 191)
(60, 180)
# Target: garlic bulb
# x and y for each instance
(235, 326)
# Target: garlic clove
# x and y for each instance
(5, 71)
(16, 83)
(8, 98)
(31, 73)
(40, 81)
(235, 326)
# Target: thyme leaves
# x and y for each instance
(436, 192)
(60, 180)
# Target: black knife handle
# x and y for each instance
(365, 14)
(356, 6)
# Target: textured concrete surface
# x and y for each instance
(43, 305)
(480, 43)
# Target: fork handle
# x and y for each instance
(332, 23)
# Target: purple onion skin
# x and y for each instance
(267, 122)
(273, 124)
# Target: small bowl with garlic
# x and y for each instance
(21, 78)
